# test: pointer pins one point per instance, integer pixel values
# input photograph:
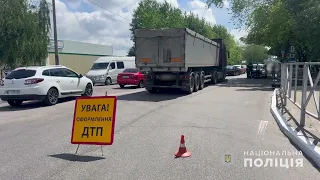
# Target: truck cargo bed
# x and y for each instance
(175, 49)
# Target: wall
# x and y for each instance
(78, 56)
(79, 63)
(76, 47)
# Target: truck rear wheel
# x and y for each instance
(191, 84)
(196, 82)
(202, 79)
(214, 77)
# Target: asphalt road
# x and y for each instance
(228, 118)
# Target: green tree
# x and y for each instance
(151, 14)
(275, 23)
(255, 53)
(24, 32)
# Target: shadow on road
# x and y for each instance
(244, 84)
(127, 87)
(146, 96)
(74, 157)
(32, 105)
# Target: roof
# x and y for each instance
(79, 48)
(115, 58)
(40, 67)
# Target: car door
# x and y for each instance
(113, 72)
(120, 67)
(63, 83)
(75, 82)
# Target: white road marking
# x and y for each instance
(125, 93)
(247, 102)
(262, 128)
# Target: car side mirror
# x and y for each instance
(80, 76)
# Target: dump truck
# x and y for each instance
(179, 58)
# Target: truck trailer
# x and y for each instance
(179, 58)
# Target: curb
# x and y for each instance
(308, 148)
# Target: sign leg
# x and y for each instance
(101, 150)
(77, 148)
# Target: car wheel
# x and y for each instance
(88, 91)
(108, 81)
(121, 85)
(141, 85)
(14, 103)
(52, 97)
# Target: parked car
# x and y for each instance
(44, 83)
(131, 76)
(259, 71)
(106, 69)
(242, 68)
(233, 71)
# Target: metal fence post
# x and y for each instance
(281, 76)
(295, 82)
(304, 94)
(286, 84)
(290, 80)
(318, 104)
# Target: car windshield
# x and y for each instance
(100, 66)
(229, 67)
(21, 74)
(131, 70)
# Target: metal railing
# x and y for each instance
(304, 77)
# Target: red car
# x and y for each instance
(131, 76)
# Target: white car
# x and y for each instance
(44, 83)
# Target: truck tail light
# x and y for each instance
(184, 77)
(33, 81)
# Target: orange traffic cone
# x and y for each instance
(182, 152)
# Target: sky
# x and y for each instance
(107, 22)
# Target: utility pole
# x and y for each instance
(55, 33)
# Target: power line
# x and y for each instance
(107, 10)
(75, 16)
